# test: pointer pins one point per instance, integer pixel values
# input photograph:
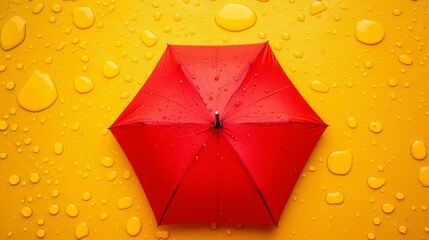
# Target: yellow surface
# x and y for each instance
(63, 175)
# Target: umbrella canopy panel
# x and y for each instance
(193, 170)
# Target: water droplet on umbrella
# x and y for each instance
(38, 93)
(40, 233)
(13, 33)
(124, 202)
(148, 38)
(400, 196)
(376, 221)
(83, 17)
(26, 212)
(418, 150)
(107, 162)
(34, 178)
(371, 236)
(375, 127)
(112, 175)
(235, 17)
(423, 176)
(104, 216)
(300, 18)
(298, 54)
(352, 122)
(86, 196)
(316, 7)
(3, 125)
(162, 234)
(58, 148)
(375, 183)
(388, 208)
(334, 198)
(81, 230)
(72, 210)
(38, 8)
(405, 59)
(54, 209)
(133, 226)
(340, 162)
(369, 32)
(392, 82)
(14, 180)
(396, 12)
(402, 229)
(319, 86)
(57, 8)
(83, 84)
(110, 69)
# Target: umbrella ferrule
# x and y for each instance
(217, 123)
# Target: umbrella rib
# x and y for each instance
(255, 186)
(176, 188)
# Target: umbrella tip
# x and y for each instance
(217, 123)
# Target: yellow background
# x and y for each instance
(357, 75)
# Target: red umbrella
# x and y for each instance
(218, 134)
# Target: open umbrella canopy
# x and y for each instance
(218, 134)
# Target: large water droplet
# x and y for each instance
(369, 32)
(38, 8)
(405, 59)
(334, 198)
(375, 127)
(340, 162)
(107, 162)
(235, 17)
(72, 210)
(317, 6)
(81, 230)
(13, 33)
(110, 69)
(319, 86)
(83, 17)
(34, 177)
(423, 176)
(14, 179)
(148, 38)
(26, 212)
(38, 93)
(418, 150)
(352, 122)
(58, 148)
(133, 226)
(54, 209)
(388, 208)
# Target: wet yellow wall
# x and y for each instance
(68, 69)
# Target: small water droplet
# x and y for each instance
(418, 150)
(110, 69)
(375, 183)
(58, 148)
(340, 162)
(13, 33)
(83, 84)
(423, 176)
(351, 122)
(133, 226)
(235, 17)
(107, 162)
(3, 125)
(162, 234)
(86, 196)
(375, 127)
(38, 8)
(38, 93)
(34, 177)
(104, 216)
(405, 59)
(81, 230)
(298, 54)
(388, 208)
(376, 221)
(26, 212)
(396, 12)
(57, 8)
(148, 38)
(369, 32)
(124, 203)
(14, 180)
(319, 86)
(399, 196)
(402, 229)
(371, 236)
(300, 18)
(54, 209)
(83, 17)
(72, 210)
(112, 175)
(316, 7)
(334, 198)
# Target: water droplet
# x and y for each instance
(396, 12)
(369, 32)
(34, 177)
(376, 221)
(423, 176)
(110, 69)
(133, 226)
(286, 36)
(3, 125)
(104, 216)
(400, 196)
(402, 229)
(319, 86)
(157, 15)
(351, 122)
(340, 162)
(38, 93)
(148, 38)
(14, 180)
(405, 59)
(38, 8)
(83, 17)
(10, 85)
(72, 210)
(392, 82)
(262, 35)
(388, 208)
(334, 198)
(83, 84)
(13, 33)
(418, 150)
(124, 202)
(54, 209)
(317, 6)
(375, 183)
(107, 162)
(58, 148)
(57, 8)
(235, 17)
(112, 175)
(337, 17)
(177, 17)
(55, 193)
(298, 54)
(26, 212)
(81, 230)
(301, 18)
(371, 236)
(375, 127)
(162, 234)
